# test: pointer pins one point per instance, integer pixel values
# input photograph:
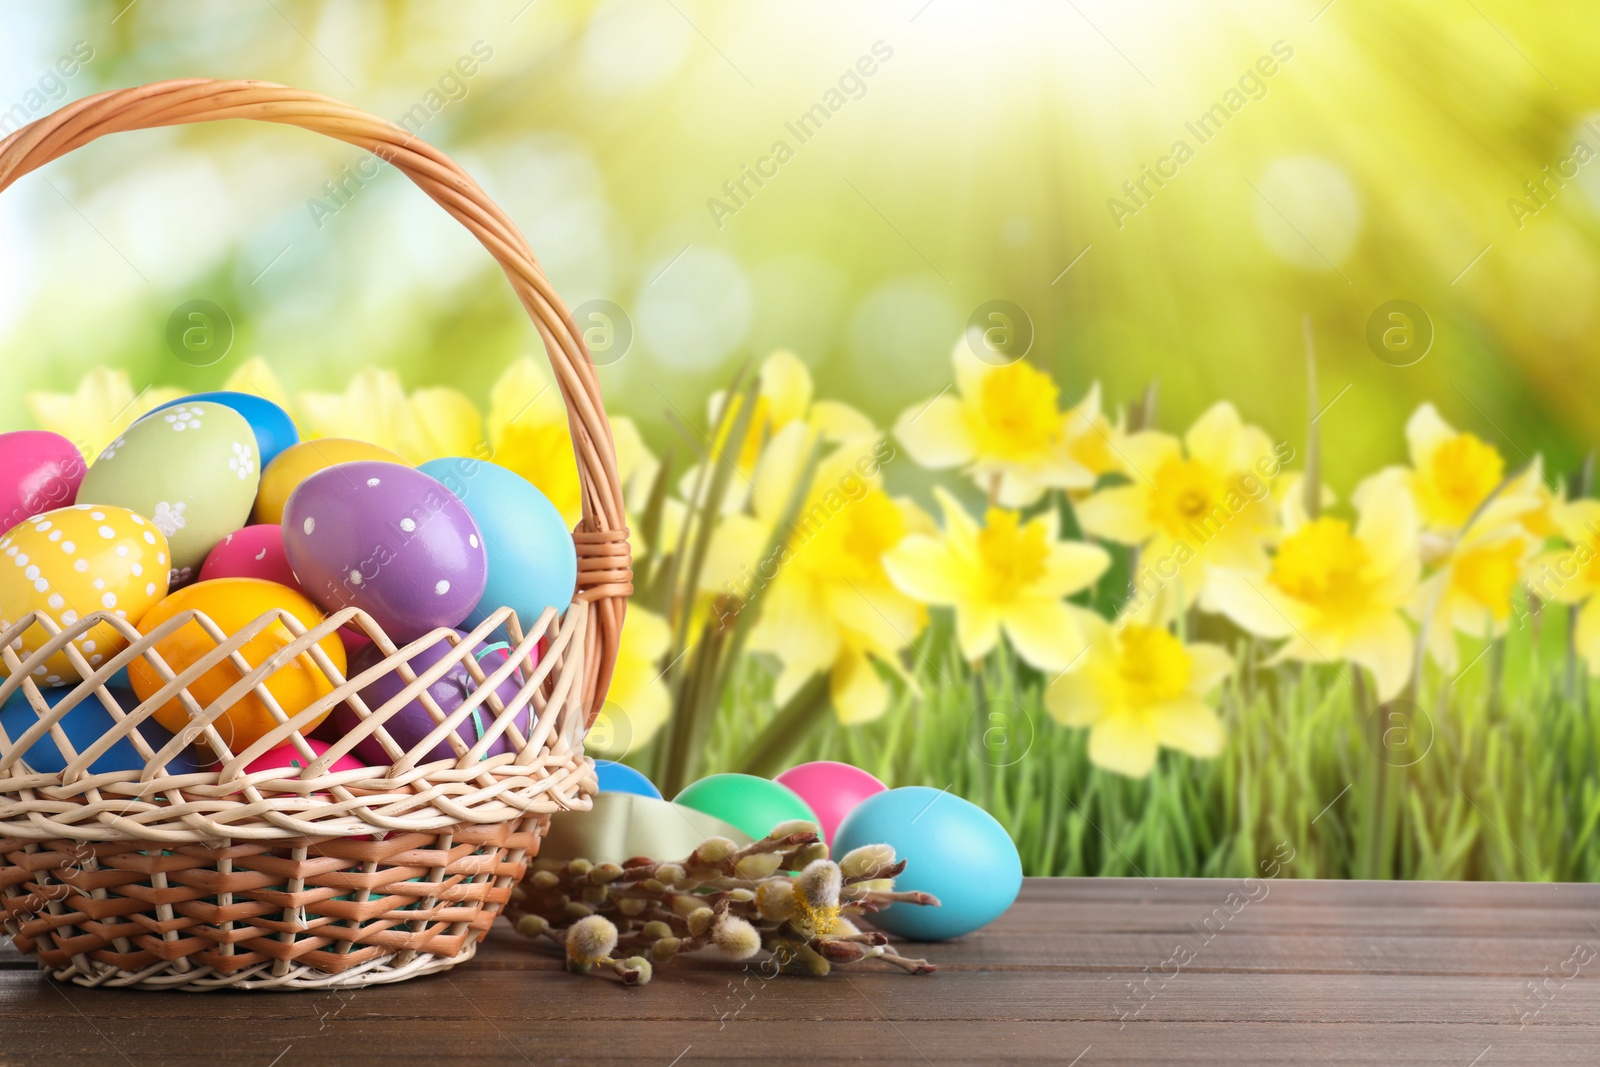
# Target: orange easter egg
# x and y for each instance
(232, 604)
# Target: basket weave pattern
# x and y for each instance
(308, 877)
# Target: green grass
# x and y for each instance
(1504, 788)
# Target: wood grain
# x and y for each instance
(1291, 972)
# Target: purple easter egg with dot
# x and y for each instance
(412, 723)
(389, 540)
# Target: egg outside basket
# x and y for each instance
(219, 880)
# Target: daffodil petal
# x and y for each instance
(256, 377)
(1586, 634)
(1144, 453)
(1120, 513)
(1044, 633)
(1388, 528)
(1216, 436)
(1120, 744)
(858, 690)
(977, 630)
(448, 422)
(1385, 647)
(1072, 566)
(1254, 604)
(1426, 430)
(922, 568)
(1074, 699)
(1189, 725)
(840, 422)
(935, 433)
(786, 383)
(1209, 666)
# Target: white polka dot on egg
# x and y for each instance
(408, 525)
(149, 538)
(97, 516)
(442, 587)
(310, 524)
(109, 600)
(108, 533)
(472, 539)
(81, 566)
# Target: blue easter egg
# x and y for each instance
(274, 429)
(621, 778)
(533, 563)
(952, 848)
(85, 724)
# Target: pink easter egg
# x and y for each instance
(39, 471)
(253, 552)
(287, 755)
(832, 789)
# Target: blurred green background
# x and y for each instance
(1384, 157)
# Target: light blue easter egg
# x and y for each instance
(85, 724)
(533, 563)
(621, 778)
(952, 848)
(274, 429)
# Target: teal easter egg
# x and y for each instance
(86, 723)
(621, 778)
(192, 470)
(273, 428)
(754, 805)
(533, 563)
(952, 848)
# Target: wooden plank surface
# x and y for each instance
(1117, 971)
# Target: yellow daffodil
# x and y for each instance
(1539, 520)
(1571, 574)
(1139, 689)
(529, 434)
(254, 376)
(1003, 426)
(1006, 575)
(1193, 505)
(638, 703)
(1336, 593)
(103, 405)
(783, 398)
(824, 599)
(1093, 439)
(1452, 473)
(1472, 589)
(427, 424)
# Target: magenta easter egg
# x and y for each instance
(288, 757)
(832, 789)
(253, 552)
(389, 540)
(413, 722)
(39, 471)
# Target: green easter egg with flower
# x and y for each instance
(192, 469)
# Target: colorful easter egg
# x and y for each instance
(952, 848)
(288, 757)
(620, 778)
(389, 540)
(191, 469)
(253, 552)
(298, 462)
(832, 789)
(232, 604)
(273, 428)
(86, 723)
(412, 723)
(39, 471)
(754, 805)
(72, 562)
(533, 563)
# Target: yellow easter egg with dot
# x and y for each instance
(70, 563)
(298, 462)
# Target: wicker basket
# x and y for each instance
(219, 879)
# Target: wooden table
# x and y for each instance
(1088, 972)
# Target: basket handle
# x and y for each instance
(605, 577)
